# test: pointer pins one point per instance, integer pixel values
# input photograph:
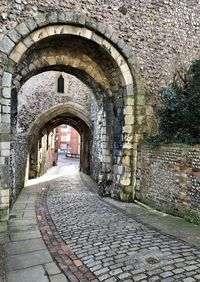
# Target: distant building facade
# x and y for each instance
(68, 140)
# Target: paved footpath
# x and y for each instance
(87, 239)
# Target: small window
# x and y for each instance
(60, 84)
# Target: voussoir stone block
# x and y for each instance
(114, 38)
(80, 19)
(129, 91)
(130, 101)
(39, 34)
(129, 119)
(121, 44)
(41, 20)
(69, 17)
(6, 45)
(31, 24)
(91, 24)
(28, 41)
(17, 53)
(101, 27)
(141, 100)
(127, 51)
(52, 17)
(51, 60)
(86, 33)
(62, 17)
(124, 67)
(14, 35)
(128, 129)
(98, 39)
(108, 32)
(128, 110)
(22, 29)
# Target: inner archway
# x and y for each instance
(40, 108)
(44, 139)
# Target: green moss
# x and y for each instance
(126, 197)
(192, 218)
(4, 213)
(3, 226)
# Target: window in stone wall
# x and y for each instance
(61, 84)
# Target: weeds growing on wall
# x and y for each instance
(192, 218)
(179, 117)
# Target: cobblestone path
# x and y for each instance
(112, 245)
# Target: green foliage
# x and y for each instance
(153, 140)
(193, 218)
(180, 116)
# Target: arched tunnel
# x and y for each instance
(72, 120)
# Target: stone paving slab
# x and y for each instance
(23, 228)
(59, 278)
(18, 214)
(26, 253)
(29, 214)
(19, 206)
(27, 246)
(52, 268)
(27, 260)
(22, 222)
(31, 274)
(20, 236)
(30, 208)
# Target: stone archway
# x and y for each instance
(102, 61)
(69, 113)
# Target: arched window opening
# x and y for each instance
(60, 84)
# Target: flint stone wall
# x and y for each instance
(169, 178)
(164, 34)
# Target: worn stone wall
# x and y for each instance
(169, 178)
(40, 93)
(164, 34)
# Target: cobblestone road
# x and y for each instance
(112, 245)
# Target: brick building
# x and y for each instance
(68, 140)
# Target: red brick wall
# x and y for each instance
(74, 141)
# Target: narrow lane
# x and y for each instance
(112, 245)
